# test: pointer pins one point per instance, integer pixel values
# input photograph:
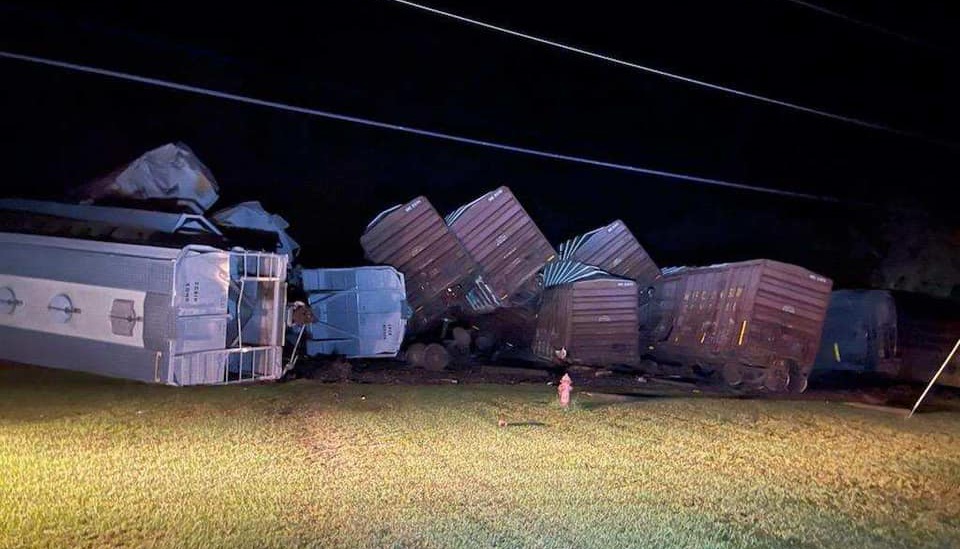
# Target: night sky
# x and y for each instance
(381, 60)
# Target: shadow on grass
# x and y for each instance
(526, 424)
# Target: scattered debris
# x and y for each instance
(515, 372)
(168, 173)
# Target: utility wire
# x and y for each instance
(717, 87)
(865, 24)
(408, 129)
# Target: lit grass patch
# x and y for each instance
(90, 462)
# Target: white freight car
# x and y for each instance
(178, 316)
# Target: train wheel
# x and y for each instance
(461, 338)
(435, 357)
(776, 379)
(732, 374)
(798, 380)
(485, 342)
(415, 354)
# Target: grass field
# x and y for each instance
(90, 462)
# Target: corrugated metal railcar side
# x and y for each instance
(505, 241)
(757, 322)
(414, 239)
(591, 322)
(614, 249)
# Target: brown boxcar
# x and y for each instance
(927, 329)
(504, 240)
(614, 249)
(756, 322)
(414, 239)
(587, 317)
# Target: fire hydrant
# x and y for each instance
(563, 390)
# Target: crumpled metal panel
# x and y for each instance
(170, 172)
(252, 215)
(567, 271)
(614, 249)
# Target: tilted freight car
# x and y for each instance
(587, 317)
(860, 333)
(439, 271)
(178, 316)
(358, 312)
(506, 243)
(614, 249)
(898, 334)
(757, 323)
(927, 329)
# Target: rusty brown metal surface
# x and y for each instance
(614, 249)
(591, 322)
(415, 240)
(506, 243)
(927, 329)
(752, 316)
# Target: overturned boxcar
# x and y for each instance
(757, 323)
(178, 316)
(614, 249)
(506, 243)
(587, 316)
(438, 270)
(358, 312)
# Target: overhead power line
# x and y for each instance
(686, 79)
(862, 23)
(408, 129)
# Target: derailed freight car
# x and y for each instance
(438, 270)
(860, 333)
(178, 316)
(587, 317)
(614, 249)
(757, 323)
(507, 244)
(358, 312)
(897, 334)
